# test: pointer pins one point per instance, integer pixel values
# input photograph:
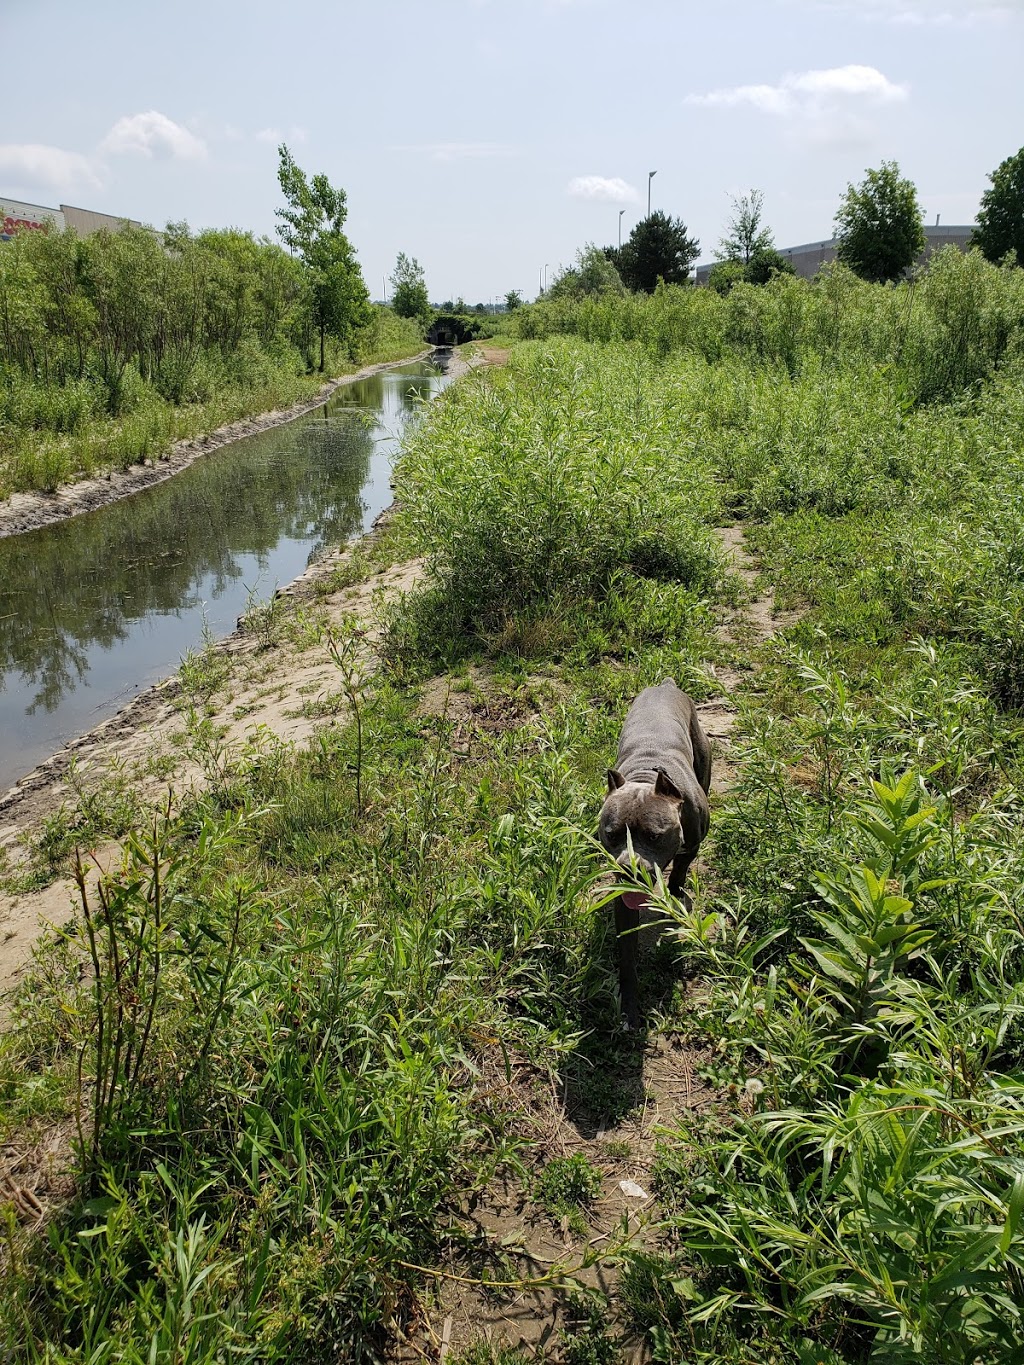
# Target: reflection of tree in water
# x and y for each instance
(64, 667)
(75, 585)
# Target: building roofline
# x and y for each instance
(930, 230)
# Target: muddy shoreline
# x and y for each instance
(23, 512)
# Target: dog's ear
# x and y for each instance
(664, 786)
(615, 780)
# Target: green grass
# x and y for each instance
(292, 1022)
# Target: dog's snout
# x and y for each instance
(628, 861)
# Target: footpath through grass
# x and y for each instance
(304, 1025)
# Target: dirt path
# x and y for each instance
(29, 511)
(663, 1074)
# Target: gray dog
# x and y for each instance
(658, 792)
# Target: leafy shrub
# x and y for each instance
(545, 481)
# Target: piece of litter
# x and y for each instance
(632, 1190)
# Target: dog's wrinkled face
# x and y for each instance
(648, 814)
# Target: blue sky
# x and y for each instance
(489, 138)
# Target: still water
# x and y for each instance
(96, 608)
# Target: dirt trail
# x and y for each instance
(743, 628)
(663, 1076)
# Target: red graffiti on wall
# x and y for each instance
(11, 225)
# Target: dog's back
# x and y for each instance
(662, 731)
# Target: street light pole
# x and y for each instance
(545, 277)
(621, 212)
(650, 177)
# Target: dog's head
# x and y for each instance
(649, 814)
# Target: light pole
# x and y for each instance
(545, 277)
(650, 177)
(621, 212)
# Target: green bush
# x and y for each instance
(546, 480)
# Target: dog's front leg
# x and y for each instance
(677, 877)
(627, 922)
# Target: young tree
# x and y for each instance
(879, 225)
(409, 296)
(592, 274)
(658, 249)
(768, 262)
(747, 238)
(1001, 216)
(748, 253)
(513, 300)
(313, 226)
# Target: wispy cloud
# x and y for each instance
(807, 92)
(831, 107)
(612, 190)
(153, 134)
(275, 136)
(39, 167)
(458, 151)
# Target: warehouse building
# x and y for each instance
(17, 216)
(808, 259)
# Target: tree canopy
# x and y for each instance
(658, 249)
(592, 274)
(879, 225)
(313, 227)
(747, 253)
(1001, 217)
(409, 296)
(746, 237)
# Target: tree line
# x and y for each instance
(87, 324)
(878, 227)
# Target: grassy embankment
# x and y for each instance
(113, 347)
(320, 996)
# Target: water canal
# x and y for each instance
(98, 607)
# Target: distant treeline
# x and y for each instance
(103, 338)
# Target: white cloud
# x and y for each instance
(153, 134)
(33, 164)
(809, 93)
(612, 190)
(275, 136)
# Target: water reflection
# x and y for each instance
(94, 608)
